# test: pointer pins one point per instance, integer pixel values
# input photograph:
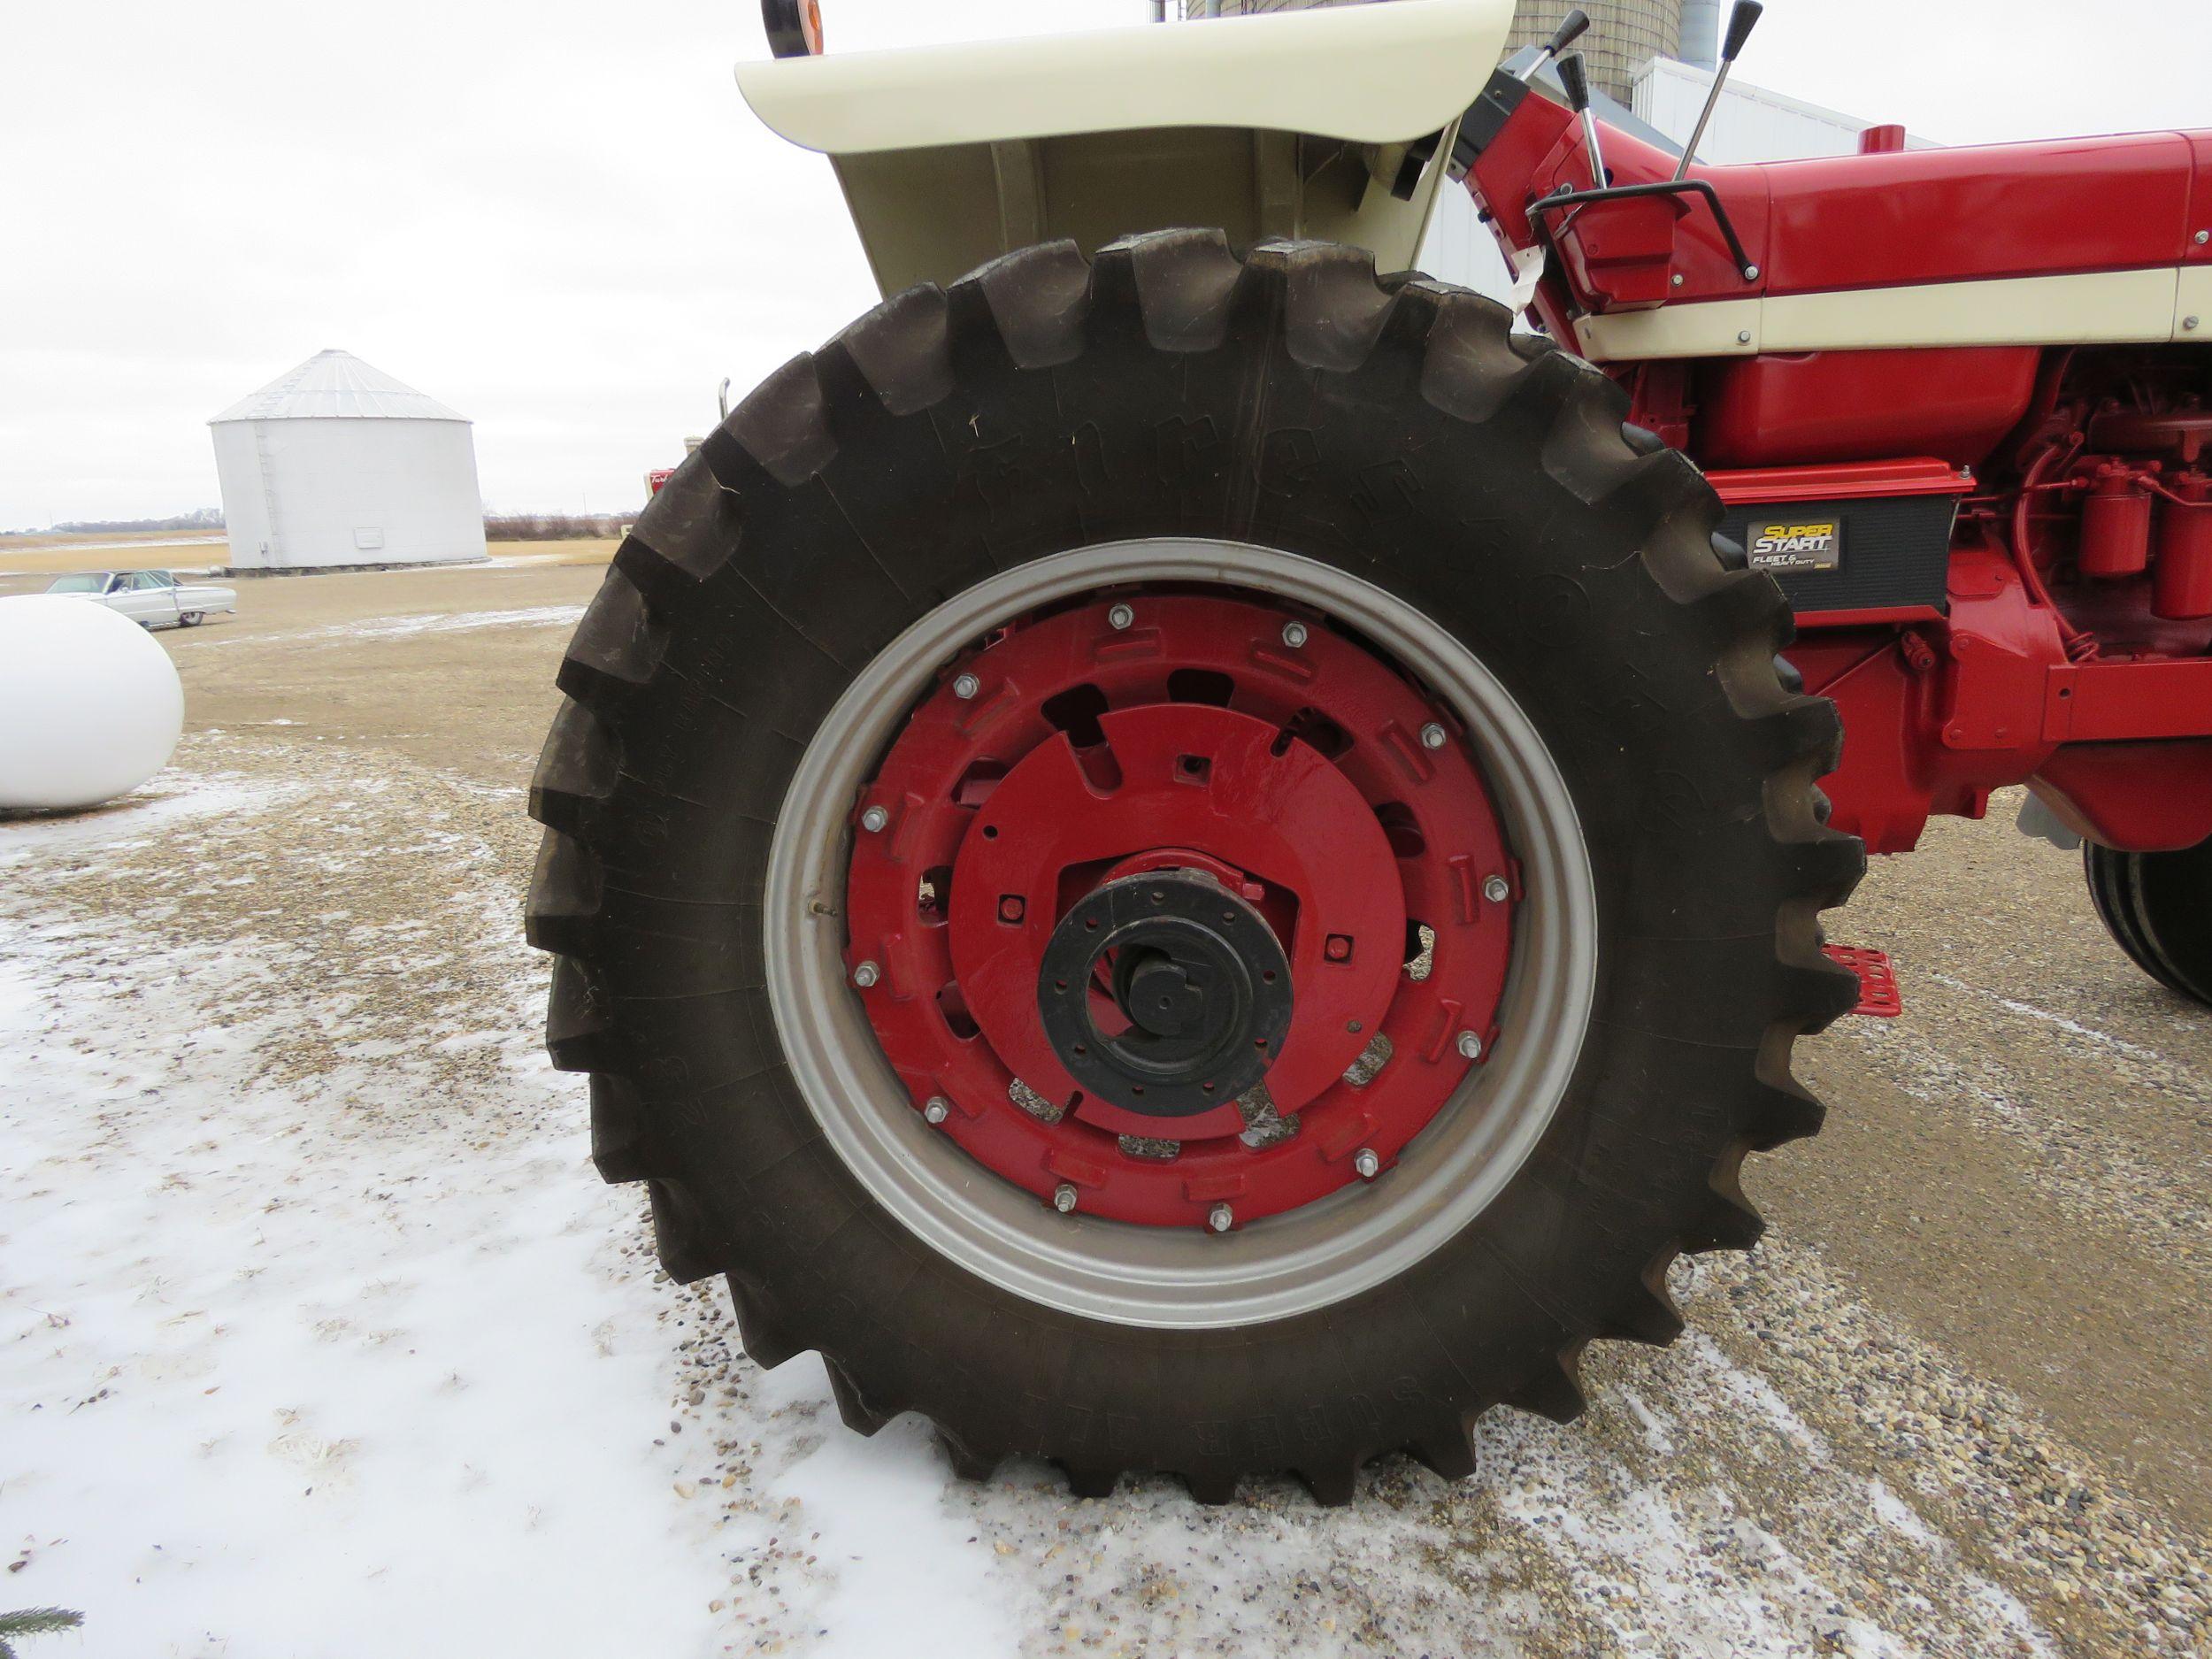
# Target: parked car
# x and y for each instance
(155, 598)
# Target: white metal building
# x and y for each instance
(337, 464)
(1753, 122)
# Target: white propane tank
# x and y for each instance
(90, 706)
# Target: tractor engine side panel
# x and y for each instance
(1955, 404)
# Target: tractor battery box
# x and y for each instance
(1871, 536)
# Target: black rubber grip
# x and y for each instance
(1570, 31)
(1742, 21)
(1576, 78)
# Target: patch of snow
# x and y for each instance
(1656, 1435)
(319, 1335)
(2029, 1011)
(170, 799)
(1753, 1391)
(1894, 1513)
(886, 1544)
(410, 626)
(304, 1368)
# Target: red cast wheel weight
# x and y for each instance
(1182, 902)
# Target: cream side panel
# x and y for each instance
(1714, 328)
(2091, 308)
(2192, 308)
(2094, 308)
(1368, 74)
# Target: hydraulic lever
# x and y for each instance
(1742, 21)
(1575, 76)
(1569, 31)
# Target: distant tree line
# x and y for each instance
(199, 519)
(551, 526)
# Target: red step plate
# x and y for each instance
(1877, 982)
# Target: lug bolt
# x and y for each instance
(1064, 1197)
(866, 974)
(1469, 1046)
(1497, 890)
(1221, 1217)
(873, 820)
(1010, 908)
(1367, 1163)
(1294, 634)
(1119, 617)
(966, 687)
(1433, 735)
(937, 1110)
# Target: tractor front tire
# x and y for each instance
(2158, 909)
(1073, 532)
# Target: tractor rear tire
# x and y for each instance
(2158, 909)
(1179, 424)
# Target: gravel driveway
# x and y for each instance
(1954, 1406)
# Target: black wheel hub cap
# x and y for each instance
(1195, 972)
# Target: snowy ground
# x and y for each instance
(436, 622)
(319, 1336)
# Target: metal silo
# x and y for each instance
(338, 465)
(1624, 35)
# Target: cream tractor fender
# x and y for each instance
(1282, 124)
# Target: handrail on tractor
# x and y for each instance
(1564, 199)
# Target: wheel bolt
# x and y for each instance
(866, 974)
(1497, 890)
(1064, 1197)
(1470, 1045)
(1221, 1217)
(873, 820)
(966, 687)
(1119, 617)
(937, 1110)
(1433, 735)
(1294, 634)
(1367, 1163)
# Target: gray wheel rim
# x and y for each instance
(1276, 1268)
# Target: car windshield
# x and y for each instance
(89, 582)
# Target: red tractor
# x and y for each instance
(1956, 402)
(1184, 855)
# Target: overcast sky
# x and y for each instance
(561, 220)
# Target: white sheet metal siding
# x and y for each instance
(1459, 247)
(337, 463)
(1752, 123)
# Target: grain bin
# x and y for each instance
(337, 465)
